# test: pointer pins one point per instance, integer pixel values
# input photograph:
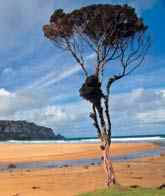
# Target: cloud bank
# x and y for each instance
(138, 109)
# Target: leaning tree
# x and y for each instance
(112, 33)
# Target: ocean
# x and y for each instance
(117, 139)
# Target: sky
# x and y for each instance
(39, 83)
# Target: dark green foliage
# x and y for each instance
(56, 15)
(115, 22)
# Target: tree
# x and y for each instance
(112, 32)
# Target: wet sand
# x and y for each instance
(69, 181)
(44, 152)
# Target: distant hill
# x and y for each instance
(22, 130)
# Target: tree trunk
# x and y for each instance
(106, 142)
(92, 92)
(107, 164)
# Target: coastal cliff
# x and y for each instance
(23, 130)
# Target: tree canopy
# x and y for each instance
(116, 21)
(111, 31)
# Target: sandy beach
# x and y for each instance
(43, 152)
(69, 181)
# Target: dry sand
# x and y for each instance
(69, 181)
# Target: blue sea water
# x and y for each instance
(117, 139)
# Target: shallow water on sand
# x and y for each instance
(80, 162)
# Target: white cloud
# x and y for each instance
(4, 93)
(54, 77)
(59, 117)
(138, 109)
(21, 100)
(35, 107)
(153, 116)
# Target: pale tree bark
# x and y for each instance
(106, 154)
(101, 112)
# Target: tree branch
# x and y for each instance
(79, 60)
(93, 115)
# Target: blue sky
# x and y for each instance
(40, 83)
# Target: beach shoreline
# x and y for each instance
(72, 180)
